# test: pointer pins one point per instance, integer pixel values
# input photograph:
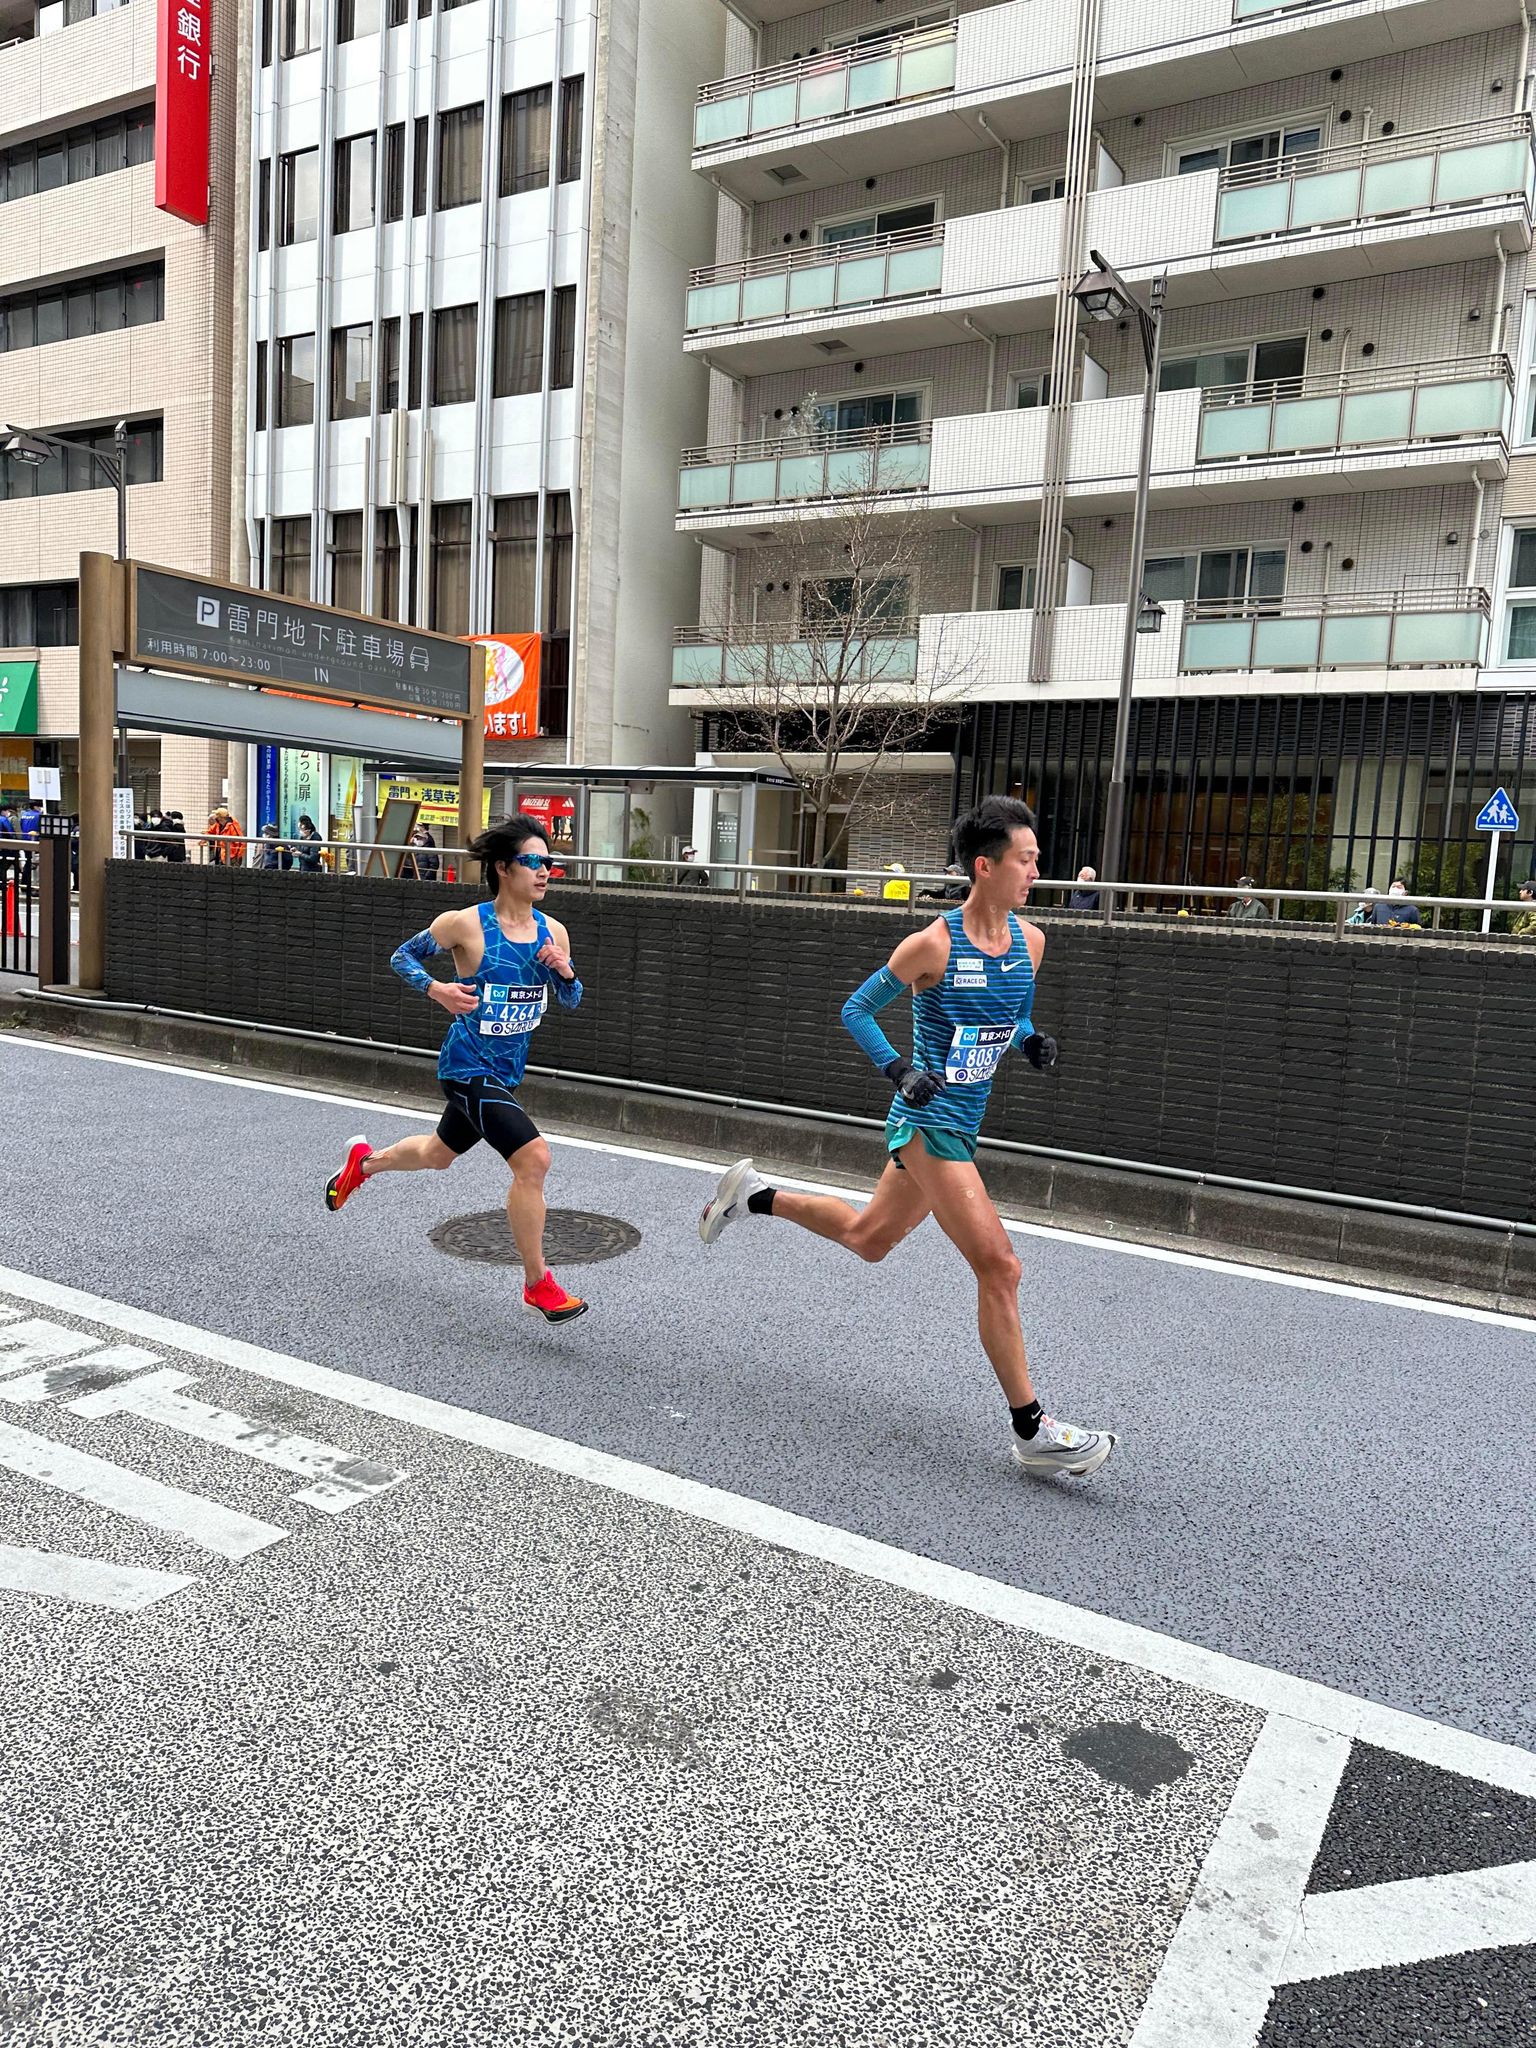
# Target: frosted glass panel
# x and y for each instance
(903, 469)
(802, 476)
(1252, 210)
(773, 107)
(860, 280)
(710, 484)
(694, 667)
(872, 85)
(928, 69)
(1285, 643)
(1335, 195)
(1305, 423)
(915, 270)
(1479, 173)
(1217, 643)
(1399, 186)
(745, 664)
(850, 469)
(754, 483)
(1460, 408)
(719, 121)
(764, 298)
(1356, 643)
(1437, 636)
(824, 93)
(1377, 416)
(888, 661)
(713, 305)
(1234, 430)
(810, 290)
(795, 662)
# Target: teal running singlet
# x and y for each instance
(962, 1027)
(513, 985)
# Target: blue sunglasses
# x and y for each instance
(535, 861)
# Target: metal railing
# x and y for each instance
(823, 277)
(1441, 627)
(18, 906)
(798, 469)
(828, 86)
(783, 632)
(772, 261)
(1453, 399)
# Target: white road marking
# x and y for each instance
(89, 1581)
(1272, 1692)
(36, 1343)
(341, 1480)
(1220, 1969)
(1234, 1269)
(116, 1359)
(222, 1530)
(1385, 1926)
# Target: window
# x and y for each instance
(112, 144)
(59, 14)
(519, 366)
(524, 141)
(1032, 389)
(264, 203)
(1016, 587)
(1220, 152)
(356, 18)
(413, 366)
(883, 220)
(352, 188)
(562, 340)
(347, 560)
(870, 409)
(460, 140)
(935, 17)
(420, 148)
(93, 305)
(450, 569)
(261, 387)
(831, 602)
(351, 373)
(39, 615)
(557, 562)
(144, 462)
(1034, 188)
(397, 13)
(1259, 362)
(289, 569)
(1520, 640)
(1215, 575)
(389, 364)
(454, 330)
(386, 566)
(300, 26)
(296, 381)
(570, 130)
(514, 549)
(394, 171)
(298, 197)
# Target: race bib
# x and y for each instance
(511, 1010)
(975, 1052)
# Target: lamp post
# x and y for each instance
(1105, 296)
(33, 449)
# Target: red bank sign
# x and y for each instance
(183, 60)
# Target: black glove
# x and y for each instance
(915, 1085)
(1041, 1052)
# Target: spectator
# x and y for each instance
(955, 890)
(175, 846)
(31, 822)
(1523, 923)
(154, 825)
(1394, 909)
(310, 848)
(898, 889)
(269, 851)
(1081, 898)
(140, 843)
(1247, 909)
(226, 841)
(1361, 914)
(8, 822)
(692, 874)
(423, 864)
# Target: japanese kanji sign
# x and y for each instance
(511, 685)
(183, 66)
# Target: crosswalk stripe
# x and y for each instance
(35, 1342)
(89, 1581)
(222, 1530)
(60, 1377)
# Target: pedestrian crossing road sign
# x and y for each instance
(1498, 815)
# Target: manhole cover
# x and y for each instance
(572, 1237)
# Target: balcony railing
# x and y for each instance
(826, 87)
(1442, 401)
(790, 284)
(1322, 188)
(1441, 628)
(781, 655)
(856, 462)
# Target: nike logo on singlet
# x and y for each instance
(1009, 965)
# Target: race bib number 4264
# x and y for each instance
(509, 1010)
(975, 1052)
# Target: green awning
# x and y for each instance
(18, 696)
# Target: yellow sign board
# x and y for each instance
(439, 802)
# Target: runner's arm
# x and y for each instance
(555, 956)
(915, 963)
(1038, 1047)
(409, 957)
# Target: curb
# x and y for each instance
(1464, 1263)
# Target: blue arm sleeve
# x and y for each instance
(407, 958)
(881, 988)
(1024, 1029)
(567, 993)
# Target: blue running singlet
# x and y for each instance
(962, 1027)
(513, 985)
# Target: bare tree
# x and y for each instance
(835, 687)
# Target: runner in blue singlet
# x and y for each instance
(509, 956)
(972, 977)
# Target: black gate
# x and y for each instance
(18, 906)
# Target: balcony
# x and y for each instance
(827, 87)
(805, 470)
(1395, 405)
(775, 657)
(1438, 197)
(1440, 628)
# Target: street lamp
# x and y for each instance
(1104, 296)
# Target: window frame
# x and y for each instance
(501, 353)
(1318, 117)
(449, 126)
(1511, 595)
(856, 213)
(507, 185)
(284, 380)
(287, 184)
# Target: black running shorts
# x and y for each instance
(484, 1108)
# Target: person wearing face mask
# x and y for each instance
(422, 861)
(1394, 909)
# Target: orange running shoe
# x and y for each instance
(550, 1300)
(346, 1183)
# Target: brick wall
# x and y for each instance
(1392, 1068)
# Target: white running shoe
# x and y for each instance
(728, 1204)
(1057, 1447)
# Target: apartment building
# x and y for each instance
(469, 239)
(1340, 554)
(110, 310)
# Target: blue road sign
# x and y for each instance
(1498, 815)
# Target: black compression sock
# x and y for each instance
(1026, 1421)
(761, 1203)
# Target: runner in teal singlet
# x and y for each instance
(972, 978)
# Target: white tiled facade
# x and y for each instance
(1365, 198)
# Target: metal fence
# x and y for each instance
(18, 909)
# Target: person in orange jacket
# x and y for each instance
(226, 841)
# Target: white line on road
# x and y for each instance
(1387, 1926)
(1273, 1692)
(35, 1342)
(225, 1531)
(34, 1387)
(91, 1581)
(1234, 1269)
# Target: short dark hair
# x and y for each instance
(988, 829)
(503, 842)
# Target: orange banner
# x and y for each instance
(511, 685)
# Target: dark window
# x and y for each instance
(562, 342)
(389, 364)
(524, 140)
(351, 372)
(139, 132)
(557, 562)
(74, 469)
(356, 18)
(519, 366)
(419, 141)
(40, 615)
(460, 141)
(397, 12)
(454, 330)
(52, 164)
(450, 569)
(570, 130)
(386, 565)
(352, 188)
(264, 204)
(394, 171)
(298, 197)
(289, 572)
(413, 367)
(266, 31)
(144, 294)
(82, 156)
(51, 322)
(347, 560)
(115, 299)
(300, 26)
(296, 381)
(261, 386)
(514, 539)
